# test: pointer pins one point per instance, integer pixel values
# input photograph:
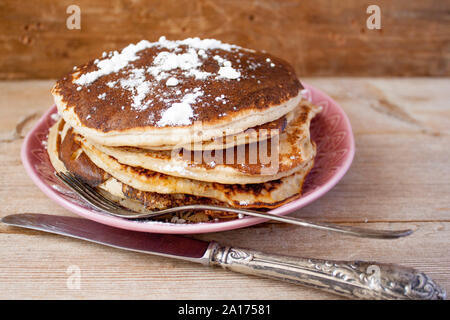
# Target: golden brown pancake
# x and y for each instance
(291, 150)
(250, 135)
(263, 195)
(64, 151)
(157, 94)
(270, 194)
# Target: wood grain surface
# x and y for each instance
(400, 178)
(319, 37)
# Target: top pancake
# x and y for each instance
(175, 92)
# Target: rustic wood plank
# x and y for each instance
(37, 264)
(318, 37)
(399, 179)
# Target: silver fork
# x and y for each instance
(98, 201)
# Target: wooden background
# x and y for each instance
(319, 37)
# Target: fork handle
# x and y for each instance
(353, 279)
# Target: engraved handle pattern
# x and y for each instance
(353, 279)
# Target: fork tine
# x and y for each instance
(100, 202)
(93, 193)
(82, 193)
(64, 178)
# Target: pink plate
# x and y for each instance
(330, 130)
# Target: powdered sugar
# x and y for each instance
(229, 73)
(102, 96)
(189, 62)
(110, 84)
(139, 87)
(226, 71)
(198, 74)
(165, 61)
(184, 58)
(219, 59)
(116, 62)
(219, 98)
(197, 43)
(180, 113)
(171, 82)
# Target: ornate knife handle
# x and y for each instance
(354, 279)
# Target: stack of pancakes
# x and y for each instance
(193, 121)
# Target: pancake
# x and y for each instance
(172, 93)
(270, 194)
(116, 191)
(251, 135)
(294, 150)
(264, 195)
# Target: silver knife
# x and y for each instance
(353, 279)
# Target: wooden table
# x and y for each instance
(400, 178)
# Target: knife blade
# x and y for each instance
(354, 279)
(159, 244)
